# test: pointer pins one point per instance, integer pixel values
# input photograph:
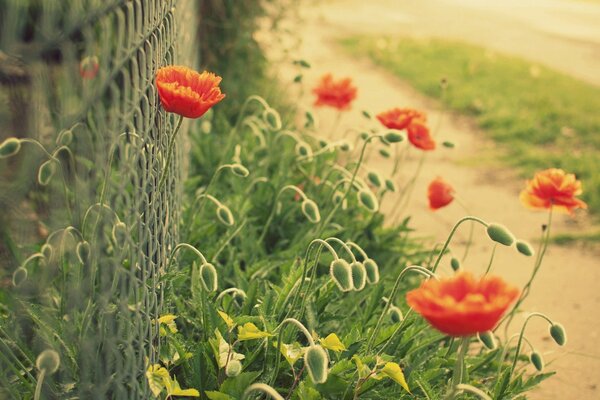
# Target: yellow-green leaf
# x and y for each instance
(156, 376)
(228, 320)
(363, 370)
(173, 389)
(169, 321)
(249, 331)
(394, 372)
(333, 342)
(292, 352)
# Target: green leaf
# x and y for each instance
(235, 386)
(213, 395)
(393, 371)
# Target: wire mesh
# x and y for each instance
(86, 232)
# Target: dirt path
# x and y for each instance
(566, 288)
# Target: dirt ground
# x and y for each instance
(567, 286)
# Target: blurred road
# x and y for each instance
(562, 34)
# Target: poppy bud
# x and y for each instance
(323, 143)
(366, 114)
(372, 270)
(119, 233)
(488, 339)
(302, 149)
(225, 216)
(10, 147)
(455, 264)
(316, 362)
(524, 248)
(448, 145)
(272, 118)
(46, 172)
(374, 179)
(500, 234)
(208, 277)
(65, 137)
(298, 78)
(233, 368)
(83, 251)
(310, 120)
(341, 273)
(367, 199)
(364, 135)
(48, 361)
(311, 211)
(393, 137)
(19, 276)
(389, 185)
(345, 146)
(557, 331)
(47, 251)
(302, 63)
(240, 170)
(359, 275)
(384, 153)
(395, 314)
(537, 360)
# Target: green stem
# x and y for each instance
(38, 386)
(274, 207)
(521, 335)
(457, 375)
(171, 145)
(452, 232)
(489, 267)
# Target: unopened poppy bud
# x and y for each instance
(19, 276)
(65, 137)
(393, 137)
(367, 199)
(83, 251)
(208, 277)
(389, 185)
(557, 331)
(46, 172)
(119, 233)
(233, 368)
(372, 270)
(524, 248)
(302, 63)
(454, 264)
(240, 170)
(225, 216)
(384, 153)
(500, 234)
(302, 149)
(488, 339)
(359, 275)
(366, 114)
(395, 314)
(316, 362)
(374, 178)
(310, 120)
(48, 361)
(323, 143)
(537, 360)
(364, 135)
(298, 78)
(47, 250)
(448, 145)
(272, 118)
(10, 147)
(311, 211)
(341, 274)
(345, 146)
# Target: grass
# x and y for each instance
(539, 117)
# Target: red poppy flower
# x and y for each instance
(186, 92)
(440, 193)
(553, 188)
(337, 94)
(418, 135)
(462, 305)
(399, 118)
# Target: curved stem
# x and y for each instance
(344, 245)
(521, 335)
(189, 247)
(171, 145)
(226, 242)
(472, 389)
(360, 249)
(274, 207)
(302, 328)
(452, 232)
(261, 387)
(38, 386)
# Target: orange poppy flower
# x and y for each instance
(462, 305)
(440, 193)
(337, 94)
(186, 92)
(553, 188)
(418, 135)
(399, 118)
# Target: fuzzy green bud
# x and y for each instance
(341, 274)
(500, 234)
(374, 179)
(454, 264)
(240, 170)
(395, 314)
(448, 145)
(389, 185)
(302, 63)
(48, 361)
(384, 153)
(537, 360)
(310, 120)
(372, 270)
(364, 135)
(46, 172)
(233, 368)
(302, 149)
(368, 200)
(337, 197)
(359, 275)
(10, 147)
(316, 362)
(225, 216)
(65, 137)
(119, 233)
(557, 331)
(83, 251)
(366, 114)
(345, 146)
(298, 78)
(311, 211)
(524, 248)
(393, 137)
(208, 277)
(19, 276)
(488, 339)
(272, 118)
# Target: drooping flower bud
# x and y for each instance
(208, 277)
(448, 145)
(19, 276)
(372, 270)
(557, 331)
(374, 179)
(233, 368)
(225, 216)
(337, 197)
(364, 135)
(302, 149)
(359, 275)
(384, 153)
(393, 137)
(48, 361)
(240, 170)
(316, 362)
(311, 211)
(500, 234)
(341, 274)
(119, 233)
(366, 114)
(368, 200)
(83, 251)
(454, 264)
(272, 118)
(389, 185)
(46, 172)
(65, 137)
(488, 339)
(537, 360)
(395, 314)
(524, 248)
(10, 147)
(310, 120)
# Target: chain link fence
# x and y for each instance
(86, 234)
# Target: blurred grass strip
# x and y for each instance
(541, 118)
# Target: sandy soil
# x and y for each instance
(566, 289)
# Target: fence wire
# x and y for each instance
(85, 231)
